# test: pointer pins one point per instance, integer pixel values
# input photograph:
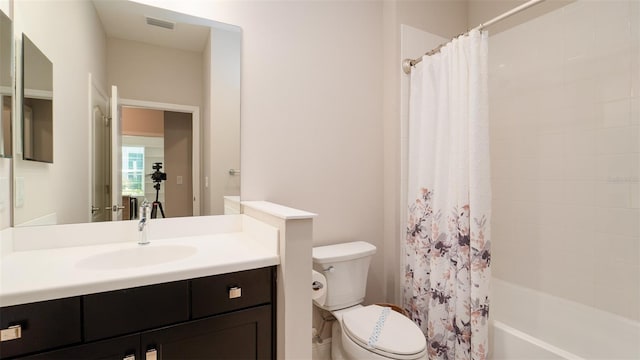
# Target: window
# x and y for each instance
(133, 170)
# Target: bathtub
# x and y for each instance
(528, 324)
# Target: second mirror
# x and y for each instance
(37, 111)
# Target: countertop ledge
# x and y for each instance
(38, 275)
(279, 211)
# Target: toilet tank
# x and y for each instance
(346, 267)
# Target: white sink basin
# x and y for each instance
(143, 255)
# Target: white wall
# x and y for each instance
(74, 51)
(154, 73)
(7, 8)
(222, 127)
(444, 18)
(565, 89)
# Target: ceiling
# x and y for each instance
(127, 20)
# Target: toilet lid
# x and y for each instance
(382, 329)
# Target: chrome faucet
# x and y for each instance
(145, 215)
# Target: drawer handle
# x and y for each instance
(151, 354)
(11, 333)
(235, 292)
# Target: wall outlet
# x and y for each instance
(179, 180)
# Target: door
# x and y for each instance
(116, 156)
(244, 334)
(178, 154)
(100, 196)
(99, 170)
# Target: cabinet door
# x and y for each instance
(244, 334)
(122, 348)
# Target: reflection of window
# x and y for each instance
(133, 170)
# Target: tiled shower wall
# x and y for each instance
(564, 100)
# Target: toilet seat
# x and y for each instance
(398, 337)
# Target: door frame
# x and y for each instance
(195, 138)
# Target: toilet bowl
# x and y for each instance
(362, 332)
(352, 334)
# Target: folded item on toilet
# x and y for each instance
(377, 329)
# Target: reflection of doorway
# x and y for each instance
(153, 134)
(100, 169)
(182, 169)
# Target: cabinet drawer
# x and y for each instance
(44, 325)
(130, 310)
(126, 347)
(222, 293)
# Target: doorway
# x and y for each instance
(183, 170)
(159, 158)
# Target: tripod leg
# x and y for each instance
(154, 210)
(161, 211)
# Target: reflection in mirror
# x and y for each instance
(152, 142)
(186, 65)
(6, 85)
(37, 103)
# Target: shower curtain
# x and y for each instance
(446, 252)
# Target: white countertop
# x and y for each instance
(45, 274)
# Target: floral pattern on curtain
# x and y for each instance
(447, 249)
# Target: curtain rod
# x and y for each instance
(408, 63)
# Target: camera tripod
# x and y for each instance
(157, 176)
(156, 204)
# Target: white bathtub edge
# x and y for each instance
(535, 341)
(568, 325)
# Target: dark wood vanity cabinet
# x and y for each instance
(189, 319)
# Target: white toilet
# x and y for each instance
(362, 332)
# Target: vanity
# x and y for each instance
(228, 316)
(205, 287)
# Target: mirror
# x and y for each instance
(37, 103)
(6, 85)
(112, 57)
